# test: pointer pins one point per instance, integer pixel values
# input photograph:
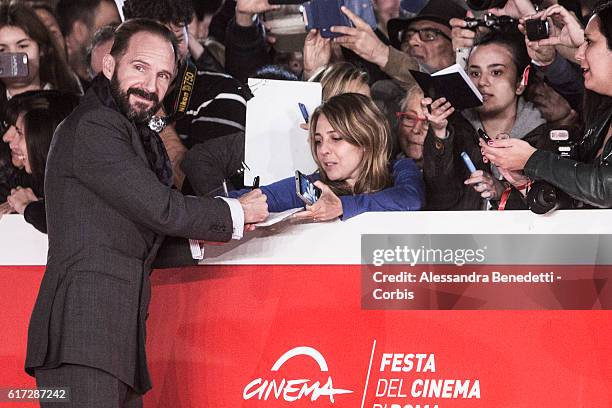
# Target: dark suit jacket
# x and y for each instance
(107, 215)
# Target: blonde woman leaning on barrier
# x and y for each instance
(348, 140)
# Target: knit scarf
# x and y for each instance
(153, 145)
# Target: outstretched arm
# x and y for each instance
(406, 194)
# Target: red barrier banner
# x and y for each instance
(297, 336)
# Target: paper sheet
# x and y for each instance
(275, 218)
(275, 145)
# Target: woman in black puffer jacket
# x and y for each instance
(588, 179)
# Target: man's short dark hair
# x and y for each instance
(70, 11)
(275, 72)
(125, 31)
(104, 34)
(176, 12)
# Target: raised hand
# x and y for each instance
(246, 9)
(566, 30)
(437, 113)
(515, 8)
(540, 53)
(362, 40)
(462, 37)
(317, 53)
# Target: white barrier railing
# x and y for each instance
(335, 242)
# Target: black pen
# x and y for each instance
(225, 190)
(256, 182)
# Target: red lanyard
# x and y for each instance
(504, 197)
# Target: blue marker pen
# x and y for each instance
(470, 165)
(304, 111)
(468, 162)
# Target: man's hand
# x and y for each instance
(5, 208)
(254, 206)
(246, 9)
(438, 118)
(327, 207)
(462, 37)
(20, 198)
(362, 40)
(515, 8)
(317, 53)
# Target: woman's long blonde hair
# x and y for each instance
(357, 120)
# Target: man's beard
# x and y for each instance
(122, 98)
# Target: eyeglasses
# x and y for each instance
(425, 34)
(410, 119)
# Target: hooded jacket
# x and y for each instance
(444, 171)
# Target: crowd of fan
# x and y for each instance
(391, 148)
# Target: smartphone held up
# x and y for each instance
(294, 21)
(536, 29)
(324, 14)
(13, 65)
(305, 189)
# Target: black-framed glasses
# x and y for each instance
(425, 34)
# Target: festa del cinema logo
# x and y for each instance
(291, 390)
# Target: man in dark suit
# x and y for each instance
(109, 205)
